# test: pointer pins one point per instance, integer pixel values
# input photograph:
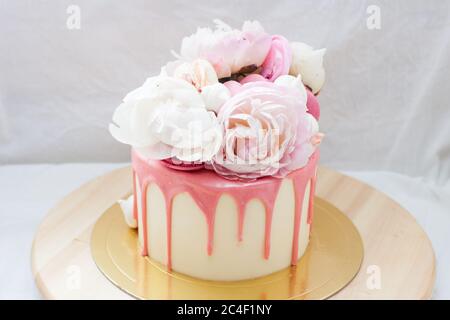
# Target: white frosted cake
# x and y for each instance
(224, 154)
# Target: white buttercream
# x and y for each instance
(231, 259)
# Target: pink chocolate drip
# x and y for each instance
(311, 199)
(300, 182)
(299, 188)
(169, 202)
(135, 210)
(206, 188)
(144, 187)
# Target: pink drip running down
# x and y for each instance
(206, 188)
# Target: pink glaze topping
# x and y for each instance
(206, 188)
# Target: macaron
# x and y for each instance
(181, 165)
(312, 104)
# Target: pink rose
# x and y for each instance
(278, 60)
(267, 131)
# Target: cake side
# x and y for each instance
(211, 228)
(224, 152)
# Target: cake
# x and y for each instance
(224, 148)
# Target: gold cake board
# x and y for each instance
(331, 261)
(398, 257)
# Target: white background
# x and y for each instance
(384, 105)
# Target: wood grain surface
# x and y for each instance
(398, 257)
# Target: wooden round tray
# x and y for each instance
(398, 256)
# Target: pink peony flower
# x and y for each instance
(278, 60)
(267, 131)
(228, 50)
(307, 139)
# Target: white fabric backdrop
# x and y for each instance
(384, 105)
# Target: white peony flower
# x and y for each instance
(215, 96)
(227, 49)
(203, 77)
(167, 117)
(293, 82)
(308, 63)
